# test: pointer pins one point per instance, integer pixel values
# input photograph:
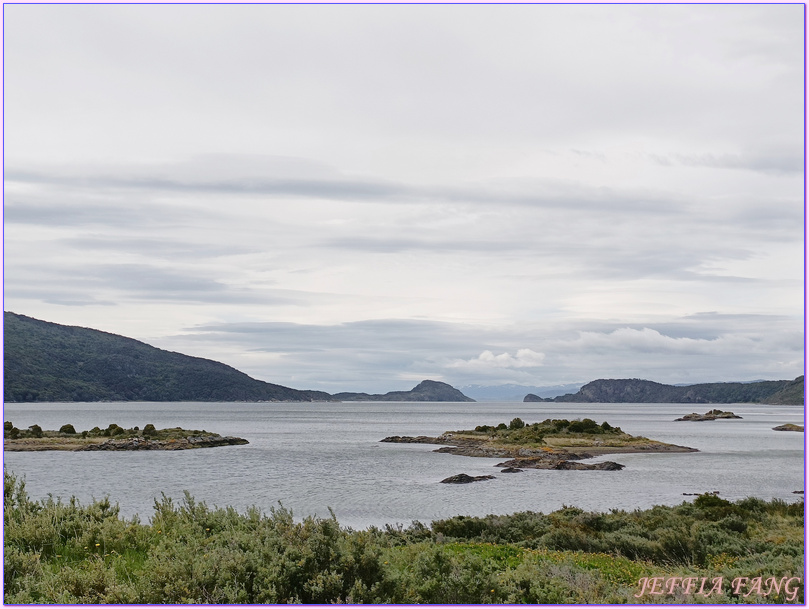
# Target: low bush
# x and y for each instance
(66, 553)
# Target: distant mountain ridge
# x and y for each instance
(514, 393)
(426, 391)
(644, 392)
(49, 362)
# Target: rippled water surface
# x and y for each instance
(312, 457)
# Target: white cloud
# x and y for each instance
(647, 340)
(524, 358)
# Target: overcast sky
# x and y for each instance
(362, 197)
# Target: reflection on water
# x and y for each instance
(311, 457)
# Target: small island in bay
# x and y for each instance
(113, 437)
(711, 415)
(789, 427)
(552, 444)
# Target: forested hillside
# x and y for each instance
(640, 391)
(47, 362)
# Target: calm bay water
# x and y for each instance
(312, 457)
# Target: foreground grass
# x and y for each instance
(56, 552)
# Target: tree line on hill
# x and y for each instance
(648, 392)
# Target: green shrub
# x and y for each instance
(9, 431)
(149, 430)
(709, 500)
(67, 429)
(516, 423)
(66, 553)
(35, 431)
(113, 430)
(584, 426)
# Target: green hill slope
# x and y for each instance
(47, 362)
(640, 391)
(791, 394)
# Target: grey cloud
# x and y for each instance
(383, 355)
(246, 185)
(780, 220)
(59, 295)
(173, 249)
(534, 193)
(135, 282)
(62, 210)
(396, 334)
(438, 244)
(71, 214)
(784, 163)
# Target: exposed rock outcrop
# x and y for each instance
(179, 444)
(464, 479)
(789, 427)
(557, 462)
(711, 415)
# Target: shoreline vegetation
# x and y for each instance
(113, 437)
(66, 552)
(552, 444)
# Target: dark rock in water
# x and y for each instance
(607, 466)
(510, 470)
(711, 415)
(788, 427)
(178, 444)
(464, 479)
(411, 440)
(797, 492)
(698, 494)
(553, 461)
